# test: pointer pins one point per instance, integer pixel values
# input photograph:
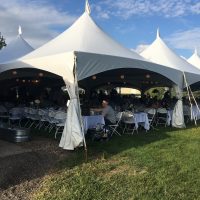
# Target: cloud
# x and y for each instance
(101, 13)
(140, 48)
(188, 39)
(169, 8)
(196, 8)
(39, 20)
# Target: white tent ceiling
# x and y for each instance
(195, 59)
(160, 53)
(15, 49)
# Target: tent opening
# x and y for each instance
(25, 86)
(126, 77)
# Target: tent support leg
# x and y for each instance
(188, 91)
(80, 115)
(194, 99)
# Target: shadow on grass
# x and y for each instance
(114, 146)
(119, 144)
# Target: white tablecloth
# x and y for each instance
(169, 117)
(142, 118)
(195, 113)
(90, 122)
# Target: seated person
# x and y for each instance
(108, 113)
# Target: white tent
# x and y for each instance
(195, 59)
(15, 49)
(95, 51)
(81, 51)
(160, 53)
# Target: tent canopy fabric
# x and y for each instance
(158, 52)
(195, 59)
(89, 64)
(84, 36)
(15, 49)
(95, 52)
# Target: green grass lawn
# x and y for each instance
(159, 165)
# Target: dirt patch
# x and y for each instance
(120, 166)
(8, 149)
(125, 169)
(22, 173)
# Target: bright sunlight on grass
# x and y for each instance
(157, 165)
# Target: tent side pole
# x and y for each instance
(80, 115)
(194, 99)
(189, 98)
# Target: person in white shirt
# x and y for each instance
(108, 113)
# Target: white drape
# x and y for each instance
(177, 116)
(73, 134)
(64, 65)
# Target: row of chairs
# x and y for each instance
(155, 118)
(49, 119)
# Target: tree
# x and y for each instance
(2, 41)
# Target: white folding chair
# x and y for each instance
(43, 115)
(16, 115)
(151, 117)
(34, 117)
(115, 126)
(162, 116)
(129, 121)
(51, 120)
(187, 113)
(60, 118)
(27, 116)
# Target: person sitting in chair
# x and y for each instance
(108, 113)
(109, 117)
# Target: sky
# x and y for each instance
(133, 23)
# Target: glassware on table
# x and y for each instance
(91, 112)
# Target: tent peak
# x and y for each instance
(158, 33)
(87, 7)
(19, 30)
(195, 59)
(158, 52)
(84, 35)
